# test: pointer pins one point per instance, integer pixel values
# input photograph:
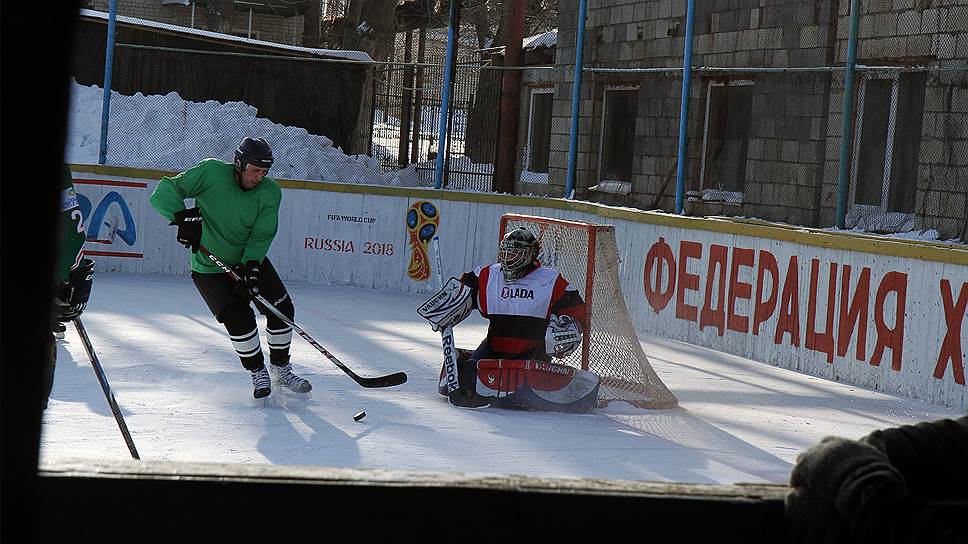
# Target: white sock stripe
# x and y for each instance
(247, 348)
(285, 330)
(252, 353)
(246, 336)
(279, 339)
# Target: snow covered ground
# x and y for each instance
(185, 397)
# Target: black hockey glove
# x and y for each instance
(839, 487)
(189, 228)
(252, 276)
(72, 296)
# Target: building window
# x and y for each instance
(538, 147)
(886, 149)
(619, 111)
(726, 131)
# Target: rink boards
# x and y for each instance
(881, 313)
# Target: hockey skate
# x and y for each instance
(282, 374)
(59, 330)
(261, 383)
(468, 399)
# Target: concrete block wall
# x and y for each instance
(914, 33)
(792, 162)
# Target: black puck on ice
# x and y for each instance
(359, 416)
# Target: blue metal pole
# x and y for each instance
(684, 108)
(576, 100)
(106, 100)
(848, 118)
(445, 96)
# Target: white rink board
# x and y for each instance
(342, 236)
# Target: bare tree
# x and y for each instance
(311, 17)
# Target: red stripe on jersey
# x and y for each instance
(482, 290)
(557, 292)
(514, 346)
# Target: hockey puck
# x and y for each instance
(359, 416)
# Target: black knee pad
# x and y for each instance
(238, 318)
(286, 308)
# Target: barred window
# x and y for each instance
(726, 136)
(619, 111)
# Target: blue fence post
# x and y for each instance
(576, 101)
(106, 100)
(684, 108)
(445, 96)
(846, 139)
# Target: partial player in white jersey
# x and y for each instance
(534, 314)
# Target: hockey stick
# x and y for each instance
(446, 333)
(389, 380)
(105, 387)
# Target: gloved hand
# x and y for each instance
(72, 296)
(838, 487)
(189, 228)
(252, 276)
(563, 336)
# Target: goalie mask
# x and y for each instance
(517, 252)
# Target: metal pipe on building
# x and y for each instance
(108, 64)
(576, 100)
(684, 107)
(445, 94)
(843, 187)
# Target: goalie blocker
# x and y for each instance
(527, 384)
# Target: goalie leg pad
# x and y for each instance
(463, 355)
(537, 385)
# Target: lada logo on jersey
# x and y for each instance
(517, 292)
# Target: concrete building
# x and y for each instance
(764, 144)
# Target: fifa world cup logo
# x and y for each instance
(422, 221)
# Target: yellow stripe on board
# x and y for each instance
(809, 236)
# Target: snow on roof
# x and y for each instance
(546, 39)
(352, 55)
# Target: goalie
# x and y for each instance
(534, 314)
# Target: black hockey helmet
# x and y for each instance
(254, 151)
(517, 252)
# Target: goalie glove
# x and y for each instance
(451, 305)
(563, 336)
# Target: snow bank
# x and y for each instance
(168, 133)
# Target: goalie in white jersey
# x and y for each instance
(534, 314)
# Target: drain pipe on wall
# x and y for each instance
(684, 107)
(576, 100)
(843, 187)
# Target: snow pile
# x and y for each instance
(168, 133)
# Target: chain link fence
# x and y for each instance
(765, 132)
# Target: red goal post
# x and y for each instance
(587, 256)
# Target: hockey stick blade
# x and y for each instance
(389, 380)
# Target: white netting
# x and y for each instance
(610, 348)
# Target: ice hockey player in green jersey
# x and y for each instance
(235, 217)
(74, 274)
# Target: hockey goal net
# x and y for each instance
(587, 256)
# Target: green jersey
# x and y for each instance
(71, 231)
(237, 226)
